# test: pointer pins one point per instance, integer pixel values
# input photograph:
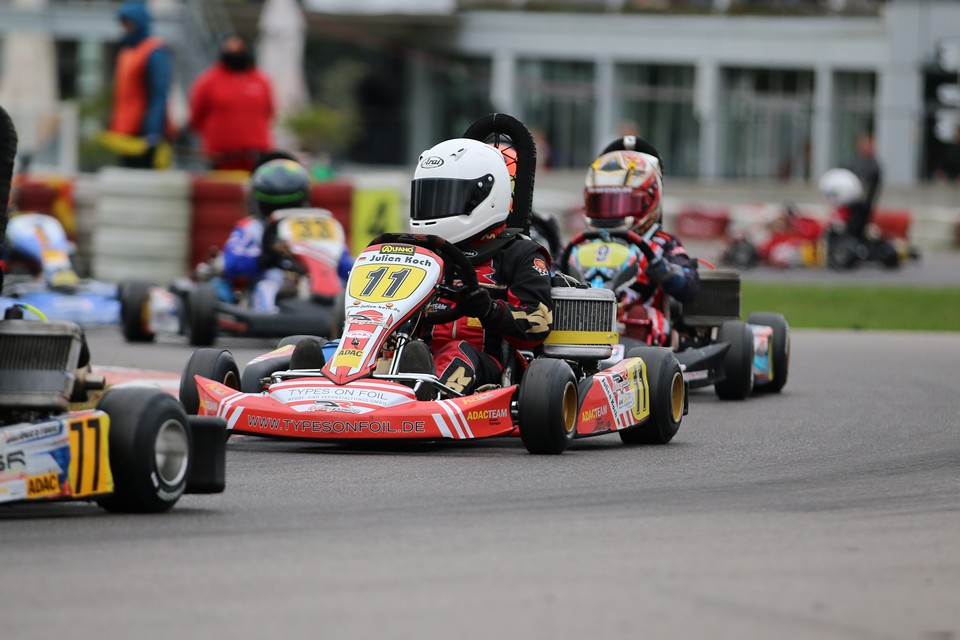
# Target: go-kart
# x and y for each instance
(792, 239)
(309, 301)
(713, 345)
(137, 451)
(40, 274)
(845, 251)
(370, 388)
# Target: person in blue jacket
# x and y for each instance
(142, 82)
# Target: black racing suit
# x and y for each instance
(515, 271)
(684, 285)
(8, 153)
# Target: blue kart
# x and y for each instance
(40, 275)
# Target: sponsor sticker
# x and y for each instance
(43, 486)
(540, 266)
(401, 249)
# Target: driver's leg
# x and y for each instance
(463, 367)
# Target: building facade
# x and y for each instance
(724, 95)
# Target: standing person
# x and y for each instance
(866, 167)
(142, 81)
(8, 153)
(231, 108)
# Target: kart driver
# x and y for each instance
(624, 191)
(462, 191)
(250, 250)
(843, 190)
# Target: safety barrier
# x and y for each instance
(219, 200)
(143, 225)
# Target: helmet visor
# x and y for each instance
(434, 198)
(603, 204)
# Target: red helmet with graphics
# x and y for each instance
(623, 190)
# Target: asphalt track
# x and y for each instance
(830, 511)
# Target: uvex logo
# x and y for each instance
(432, 162)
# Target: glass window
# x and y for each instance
(461, 94)
(656, 103)
(557, 103)
(853, 113)
(766, 119)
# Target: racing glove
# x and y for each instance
(666, 274)
(478, 304)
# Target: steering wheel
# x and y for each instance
(460, 267)
(631, 237)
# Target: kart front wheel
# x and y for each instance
(150, 443)
(779, 348)
(215, 364)
(548, 407)
(202, 315)
(738, 362)
(134, 310)
(667, 397)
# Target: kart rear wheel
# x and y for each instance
(742, 254)
(738, 363)
(135, 309)
(779, 348)
(888, 255)
(215, 364)
(667, 397)
(254, 372)
(841, 251)
(150, 444)
(338, 315)
(548, 407)
(202, 315)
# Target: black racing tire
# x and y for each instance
(254, 372)
(338, 314)
(215, 364)
(295, 340)
(738, 362)
(547, 407)
(150, 446)
(779, 348)
(134, 298)
(667, 397)
(888, 255)
(742, 254)
(202, 315)
(842, 251)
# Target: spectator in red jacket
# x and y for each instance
(231, 107)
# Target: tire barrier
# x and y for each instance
(143, 225)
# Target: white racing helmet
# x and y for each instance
(841, 187)
(460, 189)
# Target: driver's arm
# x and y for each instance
(680, 280)
(525, 302)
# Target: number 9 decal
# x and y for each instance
(384, 283)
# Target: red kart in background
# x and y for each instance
(793, 239)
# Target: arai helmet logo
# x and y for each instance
(431, 163)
